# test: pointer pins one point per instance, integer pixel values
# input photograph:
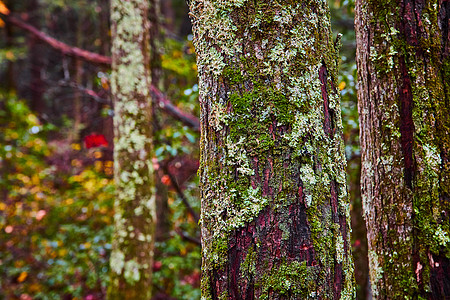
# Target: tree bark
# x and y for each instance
(404, 105)
(132, 253)
(275, 210)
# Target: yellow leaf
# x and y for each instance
(34, 287)
(177, 54)
(2, 206)
(9, 55)
(76, 146)
(3, 9)
(76, 163)
(89, 185)
(77, 178)
(342, 85)
(98, 165)
(98, 154)
(22, 276)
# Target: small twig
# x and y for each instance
(188, 238)
(84, 90)
(174, 111)
(180, 193)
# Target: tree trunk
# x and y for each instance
(275, 210)
(132, 253)
(37, 84)
(404, 105)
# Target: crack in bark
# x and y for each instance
(406, 124)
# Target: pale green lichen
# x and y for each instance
(237, 156)
(375, 271)
(339, 245)
(132, 271)
(442, 237)
(134, 205)
(117, 261)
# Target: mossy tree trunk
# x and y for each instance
(404, 105)
(132, 253)
(275, 211)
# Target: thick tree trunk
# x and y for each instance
(404, 105)
(275, 211)
(132, 253)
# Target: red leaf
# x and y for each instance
(95, 140)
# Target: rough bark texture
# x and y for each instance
(132, 253)
(404, 77)
(275, 211)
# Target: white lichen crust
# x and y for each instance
(134, 205)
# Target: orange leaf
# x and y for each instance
(165, 180)
(3, 9)
(22, 276)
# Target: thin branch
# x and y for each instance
(180, 193)
(188, 238)
(159, 98)
(174, 111)
(58, 45)
(84, 90)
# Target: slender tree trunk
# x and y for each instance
(132, 253)
(275, 210)
(404, 105)
(162, 207)
(37, 84)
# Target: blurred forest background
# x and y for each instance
(56, 145)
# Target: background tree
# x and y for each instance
(134, 219)
(56, 212)
(404, 77)
(275, 213)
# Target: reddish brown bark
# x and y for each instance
(403, 66)
(274, 200)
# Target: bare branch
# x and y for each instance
(159, 98)
(188, 238)
(180, 193)
(174, 111)
(58, 45)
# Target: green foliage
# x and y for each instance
(55, 226)
(179, 260)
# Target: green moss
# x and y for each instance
(289, 278)
(248, 265)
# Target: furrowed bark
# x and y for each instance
(134, 219)
(275, 211)
(404, 105)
